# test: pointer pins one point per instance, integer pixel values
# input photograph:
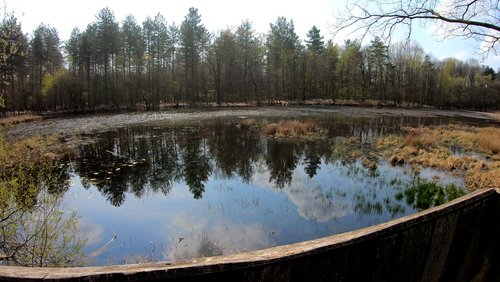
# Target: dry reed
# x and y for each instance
(435, 147)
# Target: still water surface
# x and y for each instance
(172, 191)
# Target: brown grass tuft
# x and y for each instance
(422, 140)
(247, 123)
(483, 178)
(291, 129)
(270, 129)
(489, 140)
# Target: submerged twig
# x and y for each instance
(103, 248)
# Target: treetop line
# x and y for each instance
(113, 65)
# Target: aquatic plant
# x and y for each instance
(425, 194)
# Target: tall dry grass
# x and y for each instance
(432, 147)
(488, 139)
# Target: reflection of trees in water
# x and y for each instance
(130, 161)
(361, 127)
(312, 159)
(196, 165)
(135, 160)
(234, 151)
(281, 160)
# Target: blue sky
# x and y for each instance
(219, 14)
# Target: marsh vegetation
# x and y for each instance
(471, 152)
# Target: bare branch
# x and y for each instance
(477, 19)
(436, 15)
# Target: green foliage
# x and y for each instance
(45, 59)
(34, 230)
(424, 194)
(350, 71)
(41, 236)
(488, 71)
(64, 88)
(315, 40)
(13, 47)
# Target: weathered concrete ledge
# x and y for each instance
(458, 241)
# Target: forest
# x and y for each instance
(152, 65)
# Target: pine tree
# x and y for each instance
(108, 46)
(315, 40)
(193, 34)
(283, 45)
(315, 47)
(377, 54)
(13, 59)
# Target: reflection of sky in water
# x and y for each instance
(236, 217)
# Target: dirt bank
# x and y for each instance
(19, 119)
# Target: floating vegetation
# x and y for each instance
(102, 172)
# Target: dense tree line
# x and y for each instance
(134, 65)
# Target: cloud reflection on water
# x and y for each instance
(194, 237)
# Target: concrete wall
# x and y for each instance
(459, 241)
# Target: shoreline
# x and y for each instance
(341, 107)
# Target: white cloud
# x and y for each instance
(312, 202)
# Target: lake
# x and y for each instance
(179, 185)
